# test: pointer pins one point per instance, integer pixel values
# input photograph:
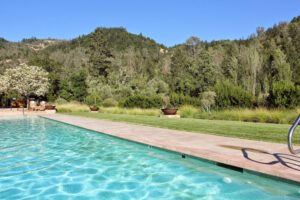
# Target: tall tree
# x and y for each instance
(251, 65)
(180, 78)
(192, 43)
(100, 55)
(276, 68)
(204, 72)
(74, 88)
(229, 68)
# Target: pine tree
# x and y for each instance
(100, 55)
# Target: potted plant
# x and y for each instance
(50, 107)
(168, 108)
(91, 100)
(94, 108)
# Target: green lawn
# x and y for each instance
(247, 130)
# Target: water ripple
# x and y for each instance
(42, 159)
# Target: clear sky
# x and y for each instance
(167, 21)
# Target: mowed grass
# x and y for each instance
(247, 130)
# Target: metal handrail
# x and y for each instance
(290, 136)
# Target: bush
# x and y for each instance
(188, 111)
(122, 91)
(261, 100)
(156, 101)
(110, 102)
(180, 100)
(105, 92)
(229, 95)
(284, 94)
(139, 101)
(60, 100)
(208, 100)
(93, 99)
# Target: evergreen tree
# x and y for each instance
(100, 55)
(276, 68)
(204, 72)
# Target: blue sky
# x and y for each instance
(167, 21)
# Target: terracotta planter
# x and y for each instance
(50, 107)
(169, 111)
(94, 108)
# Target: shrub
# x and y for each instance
(284, 94)
(110, 102)
(122, 91)
(261, 100)
(188, 111)
(93, 99)
(229, 95)
(60, 100)
(157, 86)
(180, 100)
(105, 92)
(208, 100)
(139, 101)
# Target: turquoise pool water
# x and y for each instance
(43, 159)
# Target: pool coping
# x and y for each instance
(295, 180)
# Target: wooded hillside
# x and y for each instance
(113, 65)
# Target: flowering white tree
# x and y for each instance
(3, 84)
(25, 80)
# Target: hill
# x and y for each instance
(114, 64)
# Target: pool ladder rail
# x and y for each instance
(290, 136)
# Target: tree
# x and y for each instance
(4, 84)
(79, 87)
(251, 62)
(26, 80)
(208, 100)
(279, 69)
(204, 72)
(276, 68)
(54, 69)
(192, 43)
(180, 78)
(157, 86)
(229, 68)
(74, 88)
(100, 55)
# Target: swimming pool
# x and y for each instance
(51, 160)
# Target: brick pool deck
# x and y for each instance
(268, 158)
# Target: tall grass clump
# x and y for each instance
(188, 111)
(72, 107)
(130, 111)
(263, 115)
